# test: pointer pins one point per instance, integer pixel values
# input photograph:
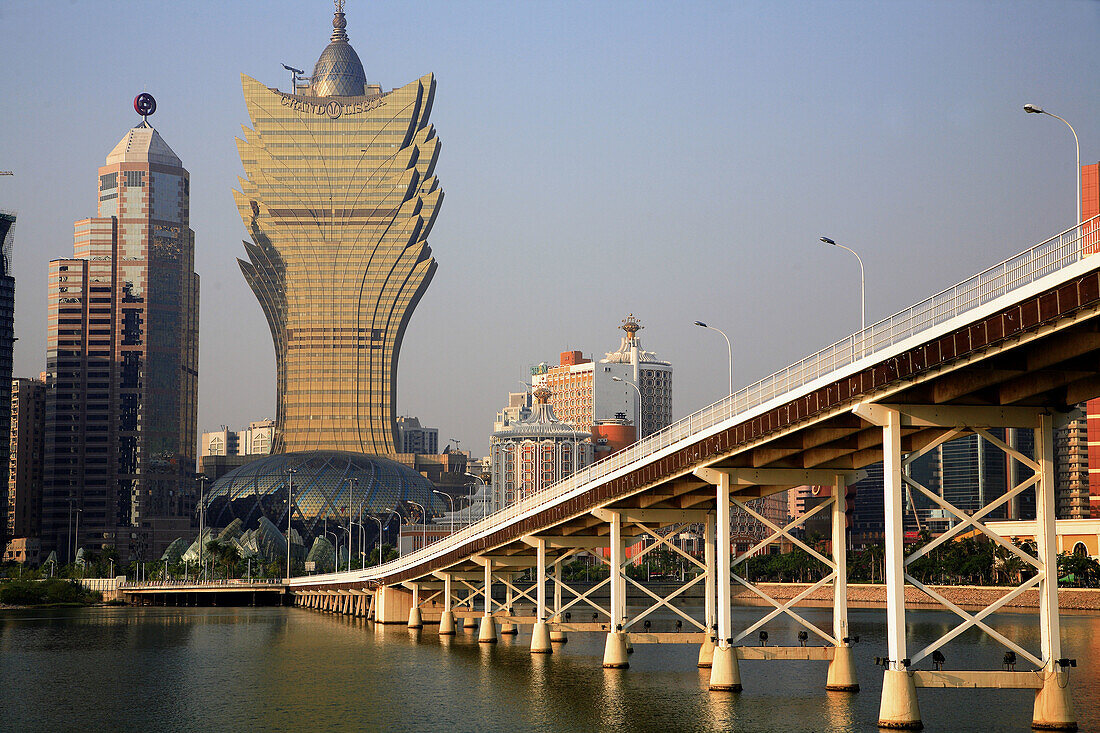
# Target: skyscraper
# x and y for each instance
(339, 197)
(7, 339)
(122, 361)
(28, 407)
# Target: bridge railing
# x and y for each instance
(180, 583)
(1043, 259)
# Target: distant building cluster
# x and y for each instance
(338, 197)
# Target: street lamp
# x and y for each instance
(1037, 110)
(729, 348)
(348, 530)
(351, 497)
(451, 500)
(289, 513)
(862, 288)
(638, 412)
(336, 559)
(379, 543)
(203, 478)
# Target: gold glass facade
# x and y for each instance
(339, 197)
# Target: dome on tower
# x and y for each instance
(338, 72)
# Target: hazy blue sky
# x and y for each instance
(674, 160)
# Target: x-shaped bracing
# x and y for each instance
(974, 521)
(787, 607)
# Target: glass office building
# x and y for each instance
(339, 197)
(122, 362)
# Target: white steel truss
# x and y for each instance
(787, 607)
(968, 520)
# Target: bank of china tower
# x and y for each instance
(338, 196)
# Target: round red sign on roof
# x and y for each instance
(144, 104)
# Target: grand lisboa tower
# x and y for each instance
(338, 197)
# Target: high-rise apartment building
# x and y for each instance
(122, 362)
(415, 438)
(28, 413)
(7, 341)
(339, 196)
(598, 397)
(1071, 465)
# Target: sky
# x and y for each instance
(677, 161)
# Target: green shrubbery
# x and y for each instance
(55, 590)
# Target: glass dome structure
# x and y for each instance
(328, 486)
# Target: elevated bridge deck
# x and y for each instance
(1015, 346)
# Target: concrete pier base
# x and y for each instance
(472, 622)
(508, 628)
(558, 637)
(487, 634)
(614, 651)
(842, 671)
(725, 673)
(706, 653)
(416, 621)
(540, 638)
(447, 624)
(898, 709)
(1053, 704)
(629, 646)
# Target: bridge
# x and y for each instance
(231, 592)
(1014, 346)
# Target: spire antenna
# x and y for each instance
(339, 23)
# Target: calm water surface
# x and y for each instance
(283, 669)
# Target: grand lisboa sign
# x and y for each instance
(331, 109)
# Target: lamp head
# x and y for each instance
(826, 240)
(1033, 109)
(700, 324)
(616, 379)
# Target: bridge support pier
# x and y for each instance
(615, 650)
(540, 633)
(487, 634)
(841, 676)
(706, 649)
(508, 628)
(447, 620)
(725, 673)
(416, 620)
(1053, 707)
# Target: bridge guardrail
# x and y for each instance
(177, 583)
(1043, 259)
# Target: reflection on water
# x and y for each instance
(169, 669)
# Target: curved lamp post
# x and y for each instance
(289, 513)
(451, 501)
(638, 413)
(862, 283)
(729, 348)
(1037, 110)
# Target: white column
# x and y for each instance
(895, 539)
(722, 496)
(616, 605)
(488, 588)
(840, 557)
(540, 578)
(1045, 539)
(557, 591)
(709, 582)
(447, 593)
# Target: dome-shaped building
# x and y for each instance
(327, 487)
(534, 452)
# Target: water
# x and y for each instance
(284, 669)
